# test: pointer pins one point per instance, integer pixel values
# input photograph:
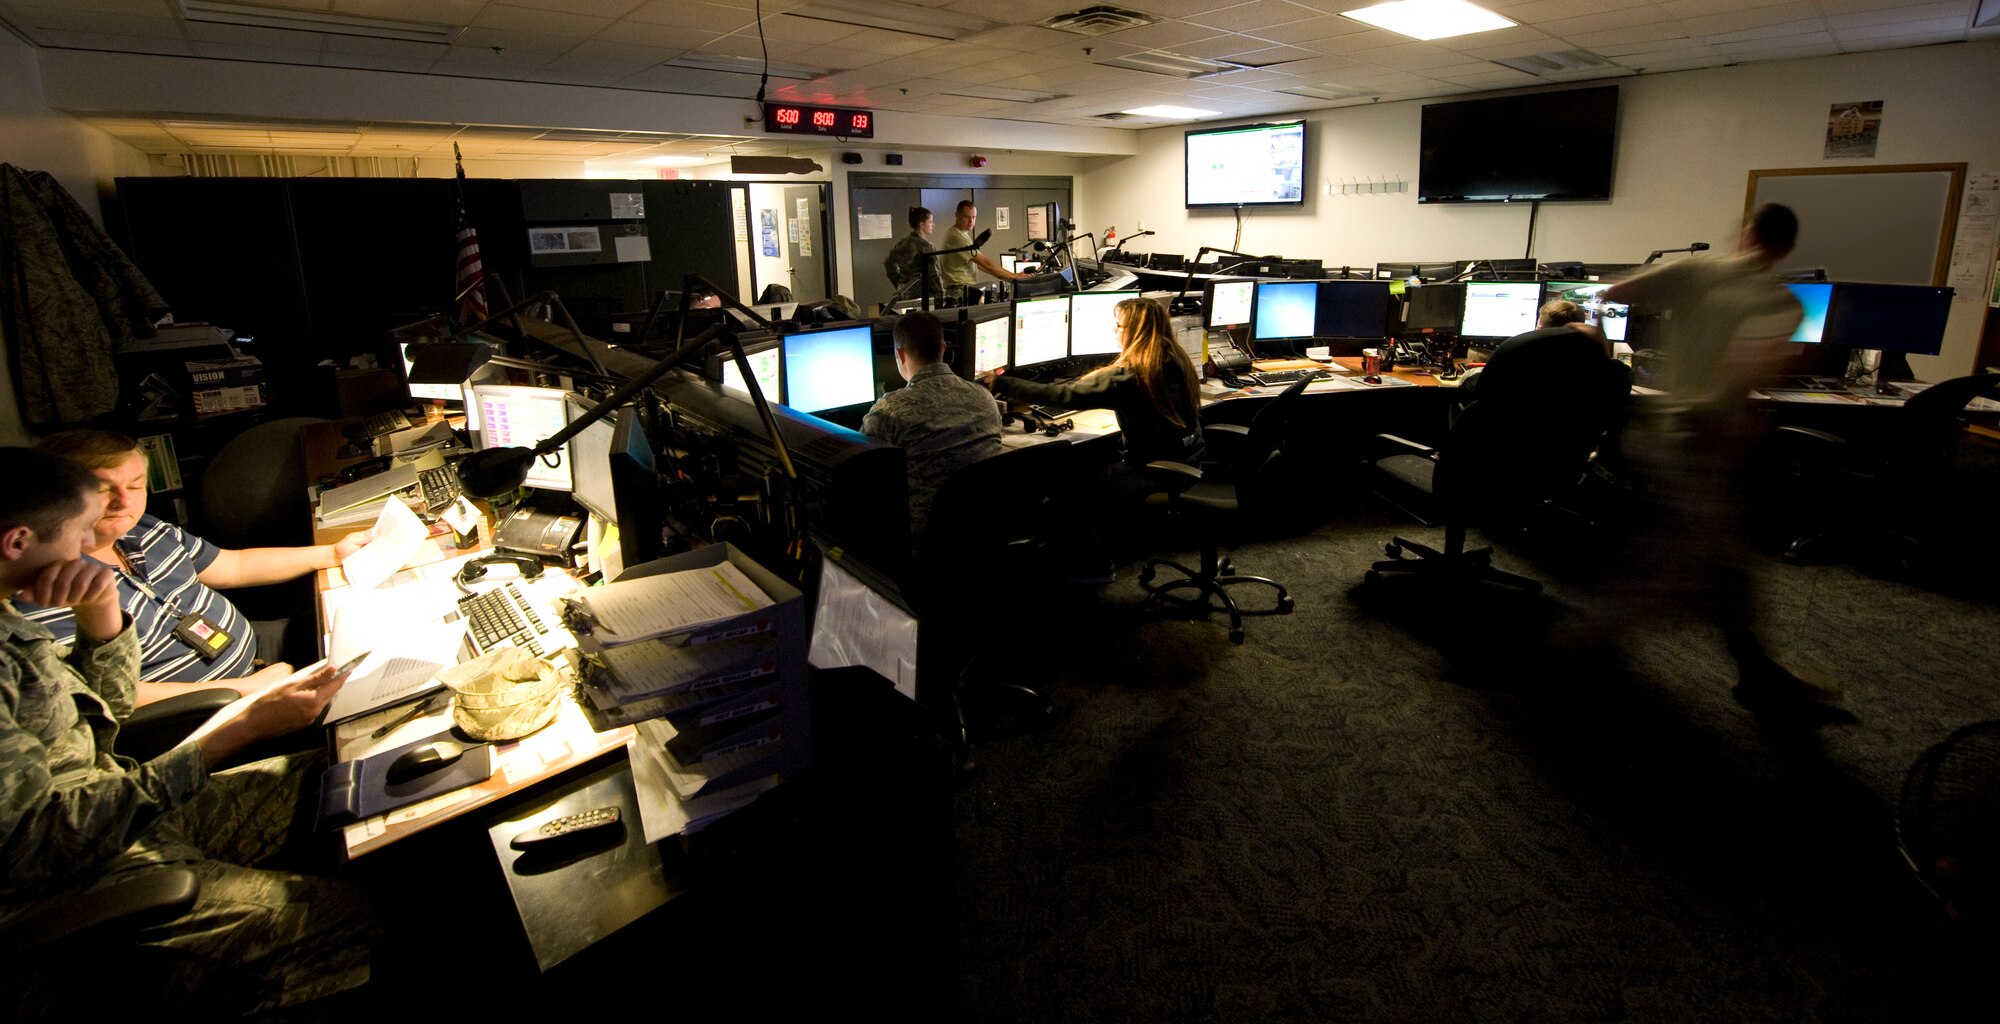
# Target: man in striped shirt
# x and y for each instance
(167, 577)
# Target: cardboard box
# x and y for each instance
(226, 385)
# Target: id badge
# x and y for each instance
(207, 638)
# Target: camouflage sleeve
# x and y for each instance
(110, 668)
(57, 828)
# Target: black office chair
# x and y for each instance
(993, 515)
(1887, 489)
(1245, 470)
(1500, 463)
(253, 494)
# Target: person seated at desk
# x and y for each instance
(942, 421)
(74, 815)
(167, 579)
(1564, 351)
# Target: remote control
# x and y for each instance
(568, 825)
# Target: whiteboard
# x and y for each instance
(1890, 224)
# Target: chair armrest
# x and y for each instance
(1389, 444)
(141, 897)
(153, 729)
(1813, 435)
(1176, 476)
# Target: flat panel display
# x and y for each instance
(1093, 327)
(1610, 317)
(451, 392)
(1815, 297)
(1041, 330)
(1471, 151)
(1499, 309)
(989, 344)
(590, 462)
(1249, 165)
(830, 369)
(511, 416)
(1229, 302)
(1904, 318)
(1352, 309)
(1285, 309)
(766, 364)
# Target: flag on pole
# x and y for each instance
(471, 282)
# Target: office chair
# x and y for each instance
(990, 517)
(253, 494)
(1250, 458)
(1883, 487)
(1500, 461)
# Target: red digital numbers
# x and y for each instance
(787, 115)
(798, 119)
(861, 122)
(823, 118)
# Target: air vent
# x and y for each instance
(1559, 60)
(1172, 65)
(1116, 115)
(1096, 21)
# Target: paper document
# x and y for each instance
(411, 637)
(633, 610)
(398, 535)
(235, 710)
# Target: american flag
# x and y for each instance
(471, 287)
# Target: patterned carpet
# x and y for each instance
(1409, 805)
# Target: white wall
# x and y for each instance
(35, 138)
(1686, 144)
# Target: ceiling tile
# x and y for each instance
(1931, 29)
(1257, 14)
(690, 14)
(526, 19)
(1737, 21)
(1165, 35)
(1959, 10)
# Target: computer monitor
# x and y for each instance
(984, 340)
(1228, 302)
(1434, 307)
(1610, 317)
(448, 392)
(830, 369)
(1904, 318)
(1041, 330)
(589, 455)
(1093, 327)
(1285, 310)
(1044, 221)
(512, 416)
(1440, 271)
(1815, 298)
(635, 485)
(767, 362)
(1007, 261)
(1395, 271)
(1499, 309)
(1352, 309)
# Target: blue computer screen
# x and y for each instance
(1285, 309)
(830, 369)
(1815, 298)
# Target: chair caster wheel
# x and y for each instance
(1371, 577)
(1223, 568)
(1145, 575)
(1285, 604)
(1236, 635)
(1392, 549)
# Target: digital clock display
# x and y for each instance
(800, 119)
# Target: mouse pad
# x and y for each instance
(352, 790)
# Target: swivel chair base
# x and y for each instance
(1209, 583)
(1473, 565)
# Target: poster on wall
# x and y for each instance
(1851, 130)
(739, 214)
(1001, 216)
(769, 231)
(805, 228)
(553, 240)
(874, 226)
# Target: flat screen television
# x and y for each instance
(1249, 165)
(1542, 146)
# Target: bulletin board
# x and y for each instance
(1889, 223)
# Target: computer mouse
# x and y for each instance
(417, 762)
(1373, 378)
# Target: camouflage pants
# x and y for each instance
(257, 939)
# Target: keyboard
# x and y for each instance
(1270, 378)
(440, 487)
(377, 424)
(504, 617)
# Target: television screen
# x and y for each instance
(1815, 298)
(1543, 146)
(1285, 309)
(1250, 165)
(1352, 309)
(1229, 302)
(1906, 318)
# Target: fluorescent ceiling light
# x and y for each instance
(221, 12)
(929, 22)
(1171, 112)
(1430, 19)
(674, 160)
(1329, 91)
(1173, 65)
(746, 66)
(997, 92)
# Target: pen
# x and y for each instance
(423, 707)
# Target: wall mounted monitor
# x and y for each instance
(830, 369)
(1610, 317)
(1433, 307)
(1905, 318)
(1471, 151)
(1815, 298)
(1499, 309)
(1249, 165)
(990, 337)
(1285, 310)
(767, 364)
(1228, 302)
(1093, 326)
(511, 416)
(1352, 309)
(1041, 330)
